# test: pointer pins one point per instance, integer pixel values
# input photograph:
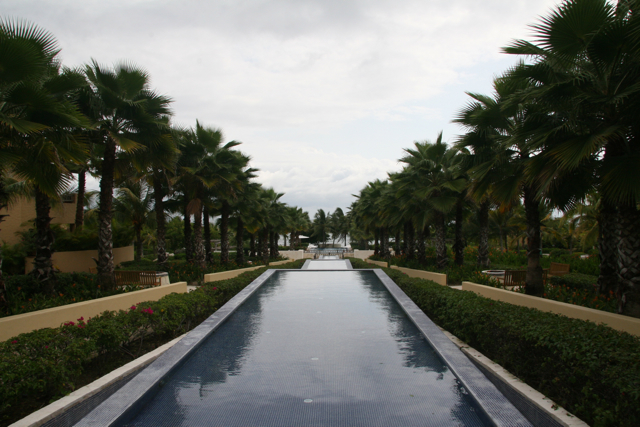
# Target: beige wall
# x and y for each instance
(615, 321)
(24, 210)
(54, 317)
(439, 278)
(293, 254)
(68, 262)
(362, 254)
(224, 275)
(378, 263)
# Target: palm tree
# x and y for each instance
(134, 202)
(438, 180)
(127, 107)
(584, 74)
(26, 62)
(320, 226)
(52, 150)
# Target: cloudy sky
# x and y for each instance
(324, 94)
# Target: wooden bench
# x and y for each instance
(140, 278)
(514, 278)
(558, 269)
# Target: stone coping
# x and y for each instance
(542, 411)
(61, 407)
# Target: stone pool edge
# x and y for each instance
(496, 407)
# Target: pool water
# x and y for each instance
(314, 349)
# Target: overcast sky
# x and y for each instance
(323, 94)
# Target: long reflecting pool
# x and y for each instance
(314, 349)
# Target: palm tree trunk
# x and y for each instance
(158, 195)
(265, 245)
(441, 245)
(411, 241)
(421, 250)
(224, 233)
(376, 248)
(397, 246)
(198, 247)
(483, 244)
(4, 296)
(385, 243)
(628, 260)
(207, 236)
(534, 285)
(82, 178)
(405, 242)
(240, 242)
(272, 250)
(43, 266)
(607, 245)
(188, 240)
(105, 234)
(252, 245)
(458, 246)
(276, 250)
(138, 231)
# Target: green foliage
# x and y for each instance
(13, 258)
(46, 364)
(575, 281)
(593, 371)
(25, 292)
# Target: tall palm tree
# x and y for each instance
(127, 107)
(438, 180)
(27, 56)
(585, 72)
(52, 150)
(320, 226)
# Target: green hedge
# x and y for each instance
(46, 364)
(593, 371)
(25, 293)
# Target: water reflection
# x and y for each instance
(335, 338)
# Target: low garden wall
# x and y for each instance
(439, 278)
(362, 254)
(54, 317)
(378, 263)
(68, 262)
(615, 321)
(224, 275)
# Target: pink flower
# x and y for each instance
(133, 307)
(69, 323)
(147, 310)
(80, 319)
(14, 342)
(46, 347)
(215, 289)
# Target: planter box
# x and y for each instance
(68, 262)
(615, 321)
(54, 317)
(224, 275)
